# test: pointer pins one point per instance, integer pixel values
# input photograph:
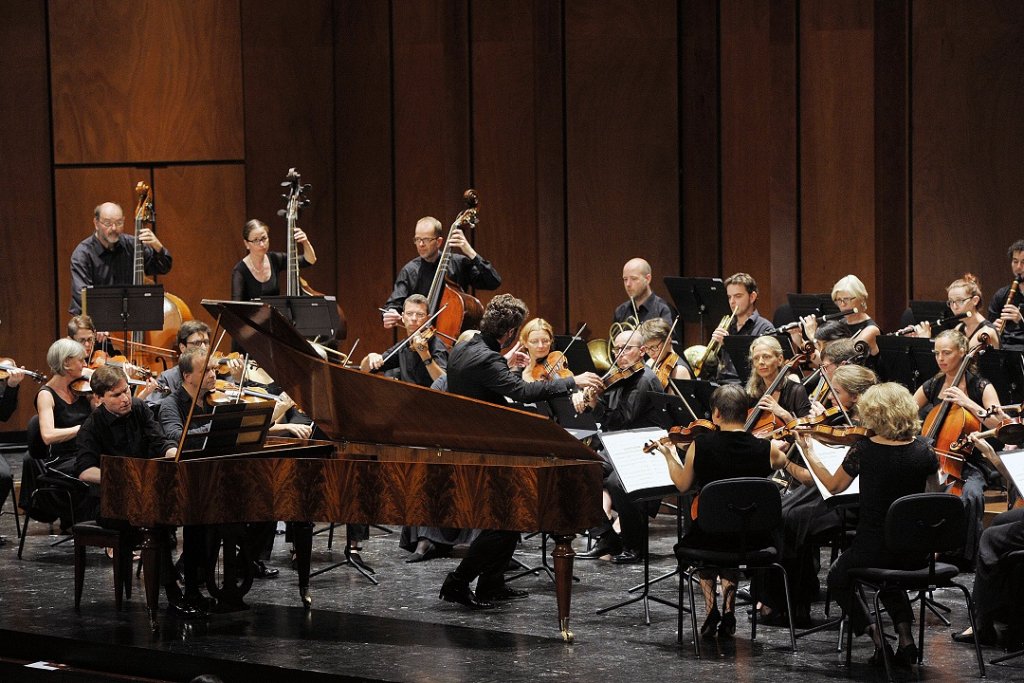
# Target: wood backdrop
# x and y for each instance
(798, 140)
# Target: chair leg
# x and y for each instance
(789, 605)
(118, 562)
(920, 630)
(974, 628)
(79, 573)
(849, 640)
(693, 613)
(679, 615)
(881, 634)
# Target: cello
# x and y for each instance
(461, 311)
(295, 199)
(947, 425)
(760, 422)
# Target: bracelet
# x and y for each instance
(428, 360)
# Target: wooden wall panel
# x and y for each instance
(967, 136)
(432, 165)
(837, 144)
(145, 81)
(78, 192)
(195, 204)
(364, 188)
(622, 149)
(28, 304)
(287, 54)
(509, 44)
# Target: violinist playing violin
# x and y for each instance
(1006, 306)
(625, 404)
(422, 359)
(789, 400)
(973, 393)
(468, 269)
(536, 337)
(666, 363)
(107, 256)
(256, 275)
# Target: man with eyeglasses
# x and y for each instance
(193, 334)
(467, 269)
(107, 256)
(420, 361)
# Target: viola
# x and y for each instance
(7, 364)
(835, 436)
(554, 365)
(682, 436)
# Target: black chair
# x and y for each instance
(920, 524)
(747, 508)
(1015, 558)
(53, 494)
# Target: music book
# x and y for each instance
(831, 457)
(644, 475)
(1014, 461)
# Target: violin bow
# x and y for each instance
(401, 345)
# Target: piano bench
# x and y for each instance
(122, 541)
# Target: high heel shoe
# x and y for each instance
(906, 656)
(710, 624)
(728, 626)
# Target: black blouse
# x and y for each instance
(245, 287)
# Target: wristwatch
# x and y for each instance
(428, 360)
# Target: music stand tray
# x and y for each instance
(313, 316)
(698, 394)
(930, 310)
(672, 406)
(697, 298)
(811, 304)
(907, 360)
(234, 428)
(131, 308)
(578, 358)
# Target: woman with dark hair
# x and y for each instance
(255, 276)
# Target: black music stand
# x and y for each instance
(811, 304)
(737, 346)
(313, 316)
(697, 298)
(578, 357)
(129, 308)
(672, 408)
(932, 310)
(907, 360)
(697, 393)
(233, 428)
(1005, 370)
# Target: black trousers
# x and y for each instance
(996, 594)
(869, 553)
(487, 558)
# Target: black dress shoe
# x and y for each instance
(201, 603)
(454, 590)
(628, 556)
(354, 557)
(502, 594)
(987, 637)
(262, 571)
(878, 658)
(608, 544)
(906, 656)
(179, 606)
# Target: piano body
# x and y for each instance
(401, 454)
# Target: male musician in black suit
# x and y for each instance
(420, 361)
(468, 269)
(107, 257)
(1013, 332)
(477, 369)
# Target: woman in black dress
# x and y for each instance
(255, 276)
(789, 401)
(727, 453)
(891, 464)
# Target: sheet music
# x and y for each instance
(831, 457)
(638, 471)
(1014, 461)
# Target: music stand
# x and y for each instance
(234, 428)
(130, 308)
(565, 414)
(672, 407)
(697, 298)
(811, 304)
(1005, 370)
(313, 316)
(932, 310)
(737, 348)
(907, 360)
(697, 393)
(578, 358)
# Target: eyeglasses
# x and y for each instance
(423, 240)
(197, 343)
(259, 240)
(110, 224)
(958, 302)
(85, 340)
(415, 315)
(619, 349)
(843, 300)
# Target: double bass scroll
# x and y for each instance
(462, 311)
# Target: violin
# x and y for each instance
(835, 436)
(134, 372)
(786, 431)
(222, 361)
(7, 364)
(682, 436)
(664, 369)
(229, 392)
(81, 386)
(613, 378)
(553, 366)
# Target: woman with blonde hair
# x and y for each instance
(850, 295)
(963, 295)
(891, 464)
(789, 400)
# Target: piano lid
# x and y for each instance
(350, 405)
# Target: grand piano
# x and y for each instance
(400, 454)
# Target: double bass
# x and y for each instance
(462, 311)
(296, 199)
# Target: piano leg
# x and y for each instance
(563, 555)
(151, 541)
(302, 537)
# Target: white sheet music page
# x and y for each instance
(1014, 461)
(831, 457)
(638, 471)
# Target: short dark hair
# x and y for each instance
(79, 322)
(742, 279)
(105, 378)
(839, 350)
(190, 327)
(190, 360)
(503, 313)
(1016, 246)
(732, 402)
(832, 330)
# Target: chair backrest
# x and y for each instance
(925, 523)
(37, 448)
(746, 505)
